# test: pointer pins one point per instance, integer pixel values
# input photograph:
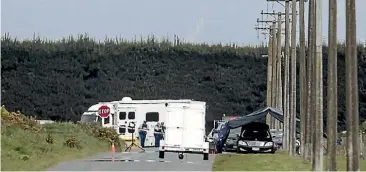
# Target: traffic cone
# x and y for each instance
(113, 149)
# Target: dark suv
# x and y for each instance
(232, 140)
(255, 137)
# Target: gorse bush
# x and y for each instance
(103, 133)
(70, 75)
(72, 143)
(49, 139)
(18, 119)
(27, 145)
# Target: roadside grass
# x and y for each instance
(28, 146)
(270, 162)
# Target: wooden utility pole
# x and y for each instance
(277, 101)
(332, 108)
(279, 67)
(303, 86)
(269, 77)
(318, 136)
(274, 70)
(286, 97)
(309, 140)
(292, 114)
(353, 148)
(273, 123)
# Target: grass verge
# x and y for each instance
(26, 145)
(269, 162)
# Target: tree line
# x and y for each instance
(59, 80)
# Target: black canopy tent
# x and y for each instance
(258, 116)
(252, 117)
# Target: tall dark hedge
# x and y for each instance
(60, 80)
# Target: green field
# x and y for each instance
(26, 145)
(269, 162)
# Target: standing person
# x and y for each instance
(142, 133)
(339, 140)
(163, 130)
(157, 134)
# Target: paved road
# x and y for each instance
(134, 161)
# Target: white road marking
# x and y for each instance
(138, 152)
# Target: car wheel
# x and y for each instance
(161, 154)
(273, 151)
(205, 156)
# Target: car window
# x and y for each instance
(256, 133)
(234, 132)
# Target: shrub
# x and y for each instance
(103, 133)
(49, 139)
(72, 143)
(27, 145)
(18, 119)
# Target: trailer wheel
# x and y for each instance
(205, 156)
(161, 154)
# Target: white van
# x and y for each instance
(185, 129)
(91, 115)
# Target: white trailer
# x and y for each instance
(185, 130)
(127, 111)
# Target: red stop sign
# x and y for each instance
(104, 111)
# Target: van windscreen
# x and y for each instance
(88, 118)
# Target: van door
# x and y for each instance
(194, 127)
(126, 117)
(174, 126)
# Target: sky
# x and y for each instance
(210, 21)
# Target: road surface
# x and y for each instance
(135, 161)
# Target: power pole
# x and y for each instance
(353, 153)
(274, 124)
(286, 90)
(269, 73)
(309, 140)
(274, 63)
(286, 116)
(279, 67)
(318, 136)
(292, 113)
(332, 108)
(269, 78)
(302, 74)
